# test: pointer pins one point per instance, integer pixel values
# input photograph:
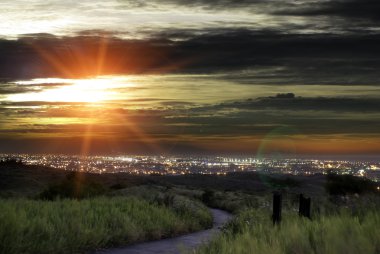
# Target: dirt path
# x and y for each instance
(178, 244)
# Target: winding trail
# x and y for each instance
(176, 245)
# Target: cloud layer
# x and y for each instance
(264, 57)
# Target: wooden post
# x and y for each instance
(307, 207)
(277, 203)
(301, 206)
(304, 208)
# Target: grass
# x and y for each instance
(235, 201)
(346, 230)
(152, 207)
(72, 226)
(182, 201)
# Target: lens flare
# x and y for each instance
(91, 90)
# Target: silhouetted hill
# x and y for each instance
(19, 179)
(26, 180)
(250, 182)
(30, 180)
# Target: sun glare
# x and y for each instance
(91, 90)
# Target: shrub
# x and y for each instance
(281, 182)
(348, 184)
(118, 186)
(74, 186)
(208, 196)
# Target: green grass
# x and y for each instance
(182, 201)
(235, 201)
(72, 226)
(342, 232)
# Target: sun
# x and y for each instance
(92, 90)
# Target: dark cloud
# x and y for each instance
(353, 9)
(46, 56)
(286, 58)
(13, 89)
(40, 103)
(308, 103)
(308, 115)
(363, 9)
(367, 10)
(176, 103)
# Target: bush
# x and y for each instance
(74, 186)
(208, 197)
(277, 182)
(348, 184)
(118, 186)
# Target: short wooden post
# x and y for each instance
(307, 207)
(277, 203)
(301, 206)
(304, 207)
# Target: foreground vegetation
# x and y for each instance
(50, 211)
(72, 226)
(349, 227)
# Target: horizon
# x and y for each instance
(278, 157)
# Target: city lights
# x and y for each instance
(175, 165)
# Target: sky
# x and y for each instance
(242, 77)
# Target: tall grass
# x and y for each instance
(72, 226)
(181, 201)
(342, 232)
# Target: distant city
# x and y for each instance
(166, 165)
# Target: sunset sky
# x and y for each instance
(181, 77)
